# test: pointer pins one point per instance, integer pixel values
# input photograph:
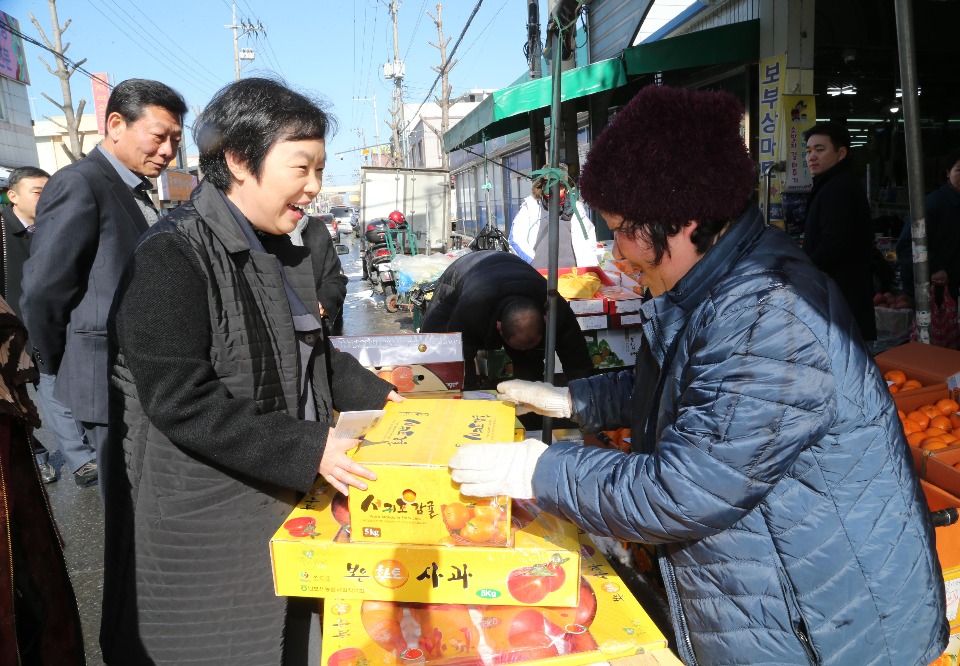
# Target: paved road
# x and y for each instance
(78, 511)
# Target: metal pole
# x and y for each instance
(236, 43)
(911, 126)
(553, 238)
(534, 55)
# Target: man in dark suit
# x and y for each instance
(16, 232)
(838, 235)
(89, 218)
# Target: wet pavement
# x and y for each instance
(78, 511)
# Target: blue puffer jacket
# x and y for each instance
(776, 479)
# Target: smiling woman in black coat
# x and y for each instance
(222, 396)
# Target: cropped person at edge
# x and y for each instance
(223, 390)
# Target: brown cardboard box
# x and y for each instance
(909, 401)
(928, 364)
(948, 550)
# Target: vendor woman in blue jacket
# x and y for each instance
(769, 466)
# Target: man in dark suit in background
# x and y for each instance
(838, 236)
(26, 184)
(89, 218)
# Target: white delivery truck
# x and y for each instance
(422, 195)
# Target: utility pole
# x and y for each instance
(394, 71)
(376, 118)
(72, 120)
(445, 87)
(240, 30)
(561, 43)
(534, 51)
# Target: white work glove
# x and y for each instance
(538, 397)
(487, 470)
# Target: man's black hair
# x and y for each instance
(131, 97)
(516, 316)
(247, 118)
(838, 133)
(951, 158)
(21, 173)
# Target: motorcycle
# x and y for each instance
(376, 261)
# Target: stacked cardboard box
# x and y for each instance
(431, 595)
(607, 623)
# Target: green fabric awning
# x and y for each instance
(737, 42)
(505, 111)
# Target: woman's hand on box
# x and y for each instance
(338, 468)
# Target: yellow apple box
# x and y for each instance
(414, 499)
(608, 623)
(312, 556)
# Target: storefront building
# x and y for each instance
(790, 62)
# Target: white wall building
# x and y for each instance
(51, 135)
(425, 148)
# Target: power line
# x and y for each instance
(449, 57)
(275, 58)
(485, 28)
(415, 28)
(65, 59)
(202, 86)
(172, 52)
(216, 78)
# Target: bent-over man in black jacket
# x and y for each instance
(496, 298)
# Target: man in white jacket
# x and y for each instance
(528, 232)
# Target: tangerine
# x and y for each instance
(916, 438)
(949, 438)
(955, 420)
(933, 444)
(930, 411)
(941, 422)
(910, 427)
(919, 417)
(896, 376)
(901, 414)
(894, 388)
(911, 385)
(947, 406)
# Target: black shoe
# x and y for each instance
(87, 475)
(47, 472)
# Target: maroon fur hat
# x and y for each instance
(671, 155)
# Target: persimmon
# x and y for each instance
(911, 385)
(941, 422)
(896, 376)
(947, 406)
(920, 418)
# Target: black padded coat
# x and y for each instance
(205, 446)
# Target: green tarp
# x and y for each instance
(506, 110)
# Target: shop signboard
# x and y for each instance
(13, 59)
(799, 114)
(101, 94)
(772, 77)
(176, 185)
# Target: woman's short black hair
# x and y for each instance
(247, 118)
(132, 96)
(658, 234)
